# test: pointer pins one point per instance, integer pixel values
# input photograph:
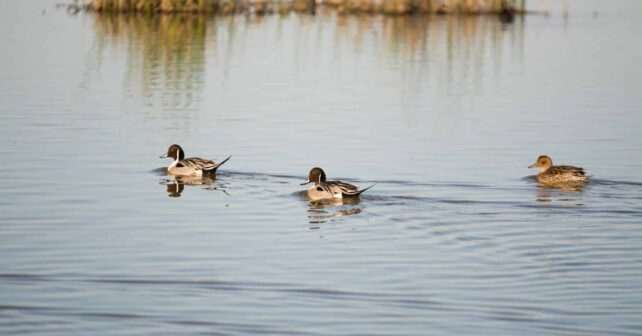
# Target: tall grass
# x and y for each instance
(261, 7)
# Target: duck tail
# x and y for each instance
(359, 192)
(213, 169)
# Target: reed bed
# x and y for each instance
(262, 7)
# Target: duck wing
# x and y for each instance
(328, 187)
(198, 163)
(208, 166)
(346, 189)
(559, 170)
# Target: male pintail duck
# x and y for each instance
(549, 174)
(190, 166)
(323, 189)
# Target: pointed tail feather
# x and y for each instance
(355, 194)
(213, 169)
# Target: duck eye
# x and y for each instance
(319, 189)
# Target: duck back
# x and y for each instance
(560, 174)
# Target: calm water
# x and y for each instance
(444, 115)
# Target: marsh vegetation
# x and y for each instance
(262, 7)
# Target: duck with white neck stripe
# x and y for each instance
(323, 189)
(190, 166)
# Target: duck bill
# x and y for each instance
(304, 183)
(162, 156)
(533, 165)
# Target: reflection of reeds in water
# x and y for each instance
(415, 34)
(166, 55)
(451, 52)
(260, 7)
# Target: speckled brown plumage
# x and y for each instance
(550, 174)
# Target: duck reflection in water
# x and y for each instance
(176, 184)
(329, 210)
(565, 192)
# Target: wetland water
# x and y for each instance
(443, 114)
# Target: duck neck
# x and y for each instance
(174, 163)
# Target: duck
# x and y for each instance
(324, 189)
(549, 174)
(191, 166)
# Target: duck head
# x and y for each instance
(543, 163)
(317, 175)
(175, 152)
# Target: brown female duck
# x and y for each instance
(550, 174)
